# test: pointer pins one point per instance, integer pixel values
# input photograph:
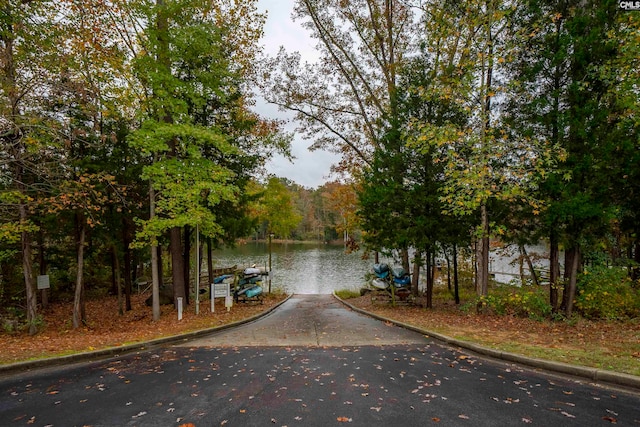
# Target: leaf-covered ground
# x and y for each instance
(606, 345)
(599, 344)
(106, 328)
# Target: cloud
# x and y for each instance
(309, 169)
(281, 30)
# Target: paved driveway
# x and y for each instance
(312, 320)
(310, 363)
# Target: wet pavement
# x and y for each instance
(312, 320)
(311, 362)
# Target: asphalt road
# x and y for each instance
(309, 363)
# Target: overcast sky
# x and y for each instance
(309, 169)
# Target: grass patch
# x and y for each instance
(601, 344)
(593, 357)
(347, 294)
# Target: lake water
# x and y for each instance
(305, 268)
(504, 264)
(301, 268)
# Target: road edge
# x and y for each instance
(594, 374)
(90, 356)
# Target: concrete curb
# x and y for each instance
(90, 356)
(593, 374)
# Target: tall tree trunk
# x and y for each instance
(42, 262)
(175, 233)
(483, 253)
(573, 279)
(128, 273)
(177, 266)
(554, 253)
(27, 269)
(11, 110)
(210, 258)
(155, 286)
(568, 260)
(117, 278)
(429, 269)
(405, 259)
(554, 271)
(200, 249)
(523, 277)
(415, 276)
(83, 305)
(487, 89)
(112, 256)
(186, 256)
(455, 274)
(160, 267)
(210, 264)
(78, 300)
(155, 281)
(434, 267)
(448, 259)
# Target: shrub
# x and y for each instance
(607, 293)
(516, 301)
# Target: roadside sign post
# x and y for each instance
(221, 290)
(43, 286)
(43, 282)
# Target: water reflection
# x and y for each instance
(301, 268)
(320, 269)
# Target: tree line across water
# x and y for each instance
(125, 125)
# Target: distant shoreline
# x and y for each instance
(290, 241)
